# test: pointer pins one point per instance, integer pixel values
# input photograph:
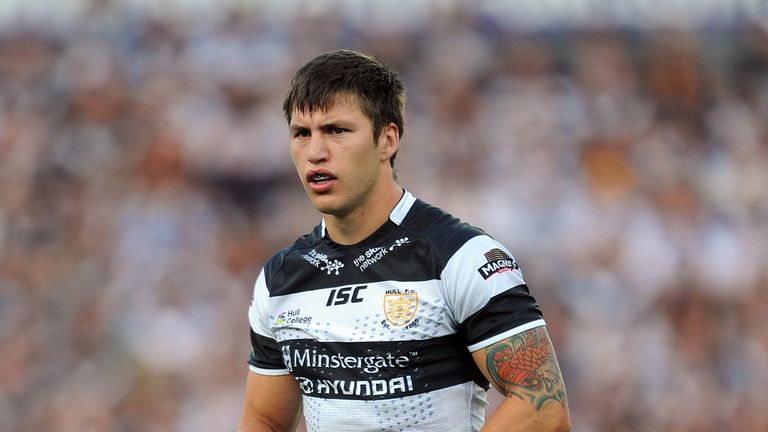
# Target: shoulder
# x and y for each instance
(277, 262)
(445, 232)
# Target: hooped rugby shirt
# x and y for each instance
(379, 334)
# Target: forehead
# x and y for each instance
(345, 106)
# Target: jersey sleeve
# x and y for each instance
(486, 293)
(266, 358)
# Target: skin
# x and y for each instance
(272, 403)
(340, 142)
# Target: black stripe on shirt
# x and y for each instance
(416, 250)
(300, 272)
(503, 312)
(379, 370)
(266, 353)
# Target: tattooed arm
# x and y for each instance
(524, 368)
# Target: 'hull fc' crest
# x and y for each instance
(498, 262)
(400, 307)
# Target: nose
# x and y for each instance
(317, 149)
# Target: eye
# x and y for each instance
(338, 130)
(301, 133)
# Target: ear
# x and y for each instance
(389, 141)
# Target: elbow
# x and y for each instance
(556, 419)
(564, 423)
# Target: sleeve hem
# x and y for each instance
(519, 329)
(270, 372)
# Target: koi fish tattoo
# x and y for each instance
(525, 366)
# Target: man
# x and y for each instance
(391, 314)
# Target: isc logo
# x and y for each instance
(345, 295)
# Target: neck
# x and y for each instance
(359, 224)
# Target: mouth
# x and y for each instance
(319, 177)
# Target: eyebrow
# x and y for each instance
(336, 124)
(344, 124)
(296, 128)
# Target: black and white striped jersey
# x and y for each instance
(379, 334)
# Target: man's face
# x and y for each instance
(336, 157)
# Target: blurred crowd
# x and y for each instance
(145, 178)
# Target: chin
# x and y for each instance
(328, 206)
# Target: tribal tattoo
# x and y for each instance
(525, 366)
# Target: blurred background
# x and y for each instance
(619, 149)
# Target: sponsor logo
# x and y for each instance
(373, 255)
(343, 296)
(306, 385)
(400, 308)
(378, 387)
(309, 357)
(498, 262)
(289, 317)
(321, 261)
(380, 368)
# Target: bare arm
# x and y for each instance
(524, 368)
(271, 404)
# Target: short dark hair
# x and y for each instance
(378, 88)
